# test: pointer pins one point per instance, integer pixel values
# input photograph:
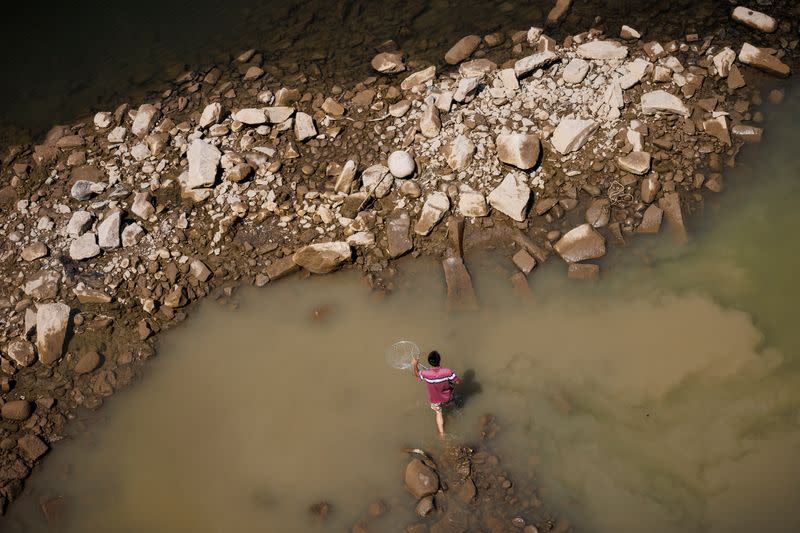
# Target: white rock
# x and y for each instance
(140, 152)
(84, 247)
(401, 164)
(418, 78)
(429, 123)
(377, 180)
(635, 163)
(509, 79)
(459, 153)
(131, 235)
(142, 207)
(763, 59)
(103, 119)
(471, 203)
(388, 63)
(433, 210)
(361, 239)
(203, 163)
(304, 126)
(398, 109)
(279, 114)
(723, 61)
(663, 102)
(603, 50)
(344, 182)
(518, 149)
(755, 19)
(251, 116)
(79, 223)
(635, 71)
(626, 32)
(117, 135)
(210, 115)
(571, 134)
(635, 138)
(145, 118)
(576, 70)
(52, 321)
(528, 64)
(108, 231)
(466, 87)
(511, 196)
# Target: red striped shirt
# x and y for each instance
(439, 381)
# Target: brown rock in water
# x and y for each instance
(651, 220)
(323, 257)
(53, 510)
(524, 261)
(17, 410)
(460, 293)
(420, 480)
(466, 491)
(281, 268)
(583, 271)
(88, 362)
(462, 49)
(581, 243)
(425, 506)
(32, 447)
(670, 203)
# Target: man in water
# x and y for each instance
(439, 380)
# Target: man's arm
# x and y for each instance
(415, 367)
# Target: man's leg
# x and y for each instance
(440, 422)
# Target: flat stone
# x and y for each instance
(460, 292)
(576, 70)
(398, 233)
(131, 235)
(43, 285)
(603, 50)
(278, 114)
(462, 49)
(723, 60)
(628, 33)
(108, 231)
(199, 270)
(103, 119)
(663, 102)
(88, 295)
(324, 257)
(32, 447)
(333, 108)
(140, 152)
(635, 71)
(251, 116)
(203, 164)
(581, 243)
(459, 153)
(524, 261)
(344, 183)
(141, 206)
(583, 271)
(528, 64)
(670, 203)
(145, 119)
(34, 251)
(418, 78)
(211, 115)
(361, 239)
(304, 127)
(429, 123)
(718, 127)
(281, 268)
(353, 204)
(477, 68)
(651, 220)
(762, 59)
(465, 90)
(401, 164)
(735, 78)
(571, 134)
(82, 190)
(52, 321)
(17, 410)
(556, 14)
(598, 213)
(377, 180)
(750, 134)
(117, 135)
(649, 189)
(471, 203)
(518, 149)
(511, 197)
(21, 352)
(84, 247)
(755, 19)
(388, 63)
(398, 109)
(433, 210)
(509, 79)
(635, 162)
(88, 362)
(79, 223)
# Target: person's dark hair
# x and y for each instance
(434, 358)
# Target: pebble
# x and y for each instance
(755, 19)
(575, 71)
(84, 247)
(462, 49)
(401, 164)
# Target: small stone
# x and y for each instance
(211, 114)
(718, 127)
(518, 149)
(556, 14)
(304, 127)
(279, 114)
(662, 102)
(651, 220)
(598, 213)
(253, 73)
(418, 78)
(763, 59)
(84, 247)
(462, 49)
(250, 116)
(199, 270)
(88, 362)
(79, 223)
(361, 239)
(411, 189)
(323, 257)
(145, 118)
(576, 70)
(459, 153)
(345, 181)
(43, 285)
(425, 507)
(755, 19)
(477, 68)
(650, 188)
(401, 164)
(603, 50)
(635, 162)
(32, 447)
(429, 123)
(51, 330)
(471, 203)
(117, 135)
(628, 33)
(466, 88)
(398, 233)
(131, 235)
(398, 109)
(17, 410)
(34, 251)
(433, 210)
(509, 79)
(670, 203)
(108, 231)
(571, 134)
(103, 119)
(735, 78)
(82, 190)
(524, 261)
(723, 61)
(333, 108)
(203, 164)
(377, 180)
(581, 243)
(388, 63)
(528, 64)
(142, 207)
(750, 134)
(88, 295)
(511, 197)
(21, 352)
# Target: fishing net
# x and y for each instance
(400, 354)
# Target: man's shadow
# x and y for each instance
(466, 389)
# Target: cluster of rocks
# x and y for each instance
(113, 225)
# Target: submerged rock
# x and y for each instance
(388, 63)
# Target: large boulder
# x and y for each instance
(52, 321)
(323, 257)
(581, 243)
(420, 479)
(518, 149)
(203, 164)
(511, 196)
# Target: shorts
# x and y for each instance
(439, 407)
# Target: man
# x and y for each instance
(439, 381)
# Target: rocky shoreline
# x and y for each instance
(115, 225)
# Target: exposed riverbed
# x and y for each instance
(665, 398)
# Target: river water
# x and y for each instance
(666, 398)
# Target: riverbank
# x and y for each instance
(115, 225)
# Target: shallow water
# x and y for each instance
(666, 398)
